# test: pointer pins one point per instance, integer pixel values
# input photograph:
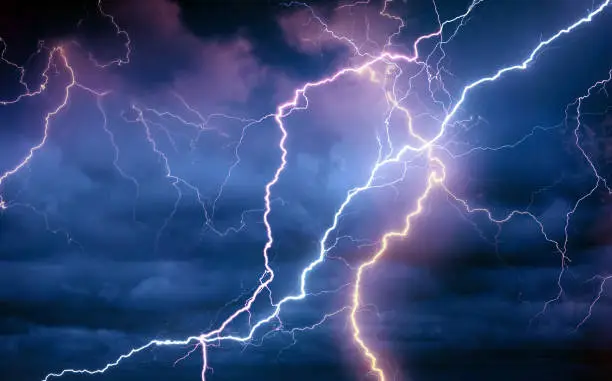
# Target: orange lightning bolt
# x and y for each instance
(436, 176)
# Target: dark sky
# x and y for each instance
(125, 226)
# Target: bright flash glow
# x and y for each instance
(425, 147)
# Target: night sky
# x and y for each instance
(142, 215)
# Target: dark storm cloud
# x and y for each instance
(447, 303)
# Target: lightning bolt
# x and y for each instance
(438, 178)
(602, 283)
(120, 32)
(425, 147)
(57, 53)
(298, 102)
(202, 126)
(435, 177)
(113, 142)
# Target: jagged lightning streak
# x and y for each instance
(27, 93)
(522, 66)
(120, 32)
(435, 177)
(283, 111)
(19, 68)
(578, 103)
(56, 53)
(602, 283)
(267, 277)
(204, 361)
(560, 247)
(601, 84)
(113, 141)
(292, 332)
(201, 127)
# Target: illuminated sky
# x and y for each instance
(142, 216)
